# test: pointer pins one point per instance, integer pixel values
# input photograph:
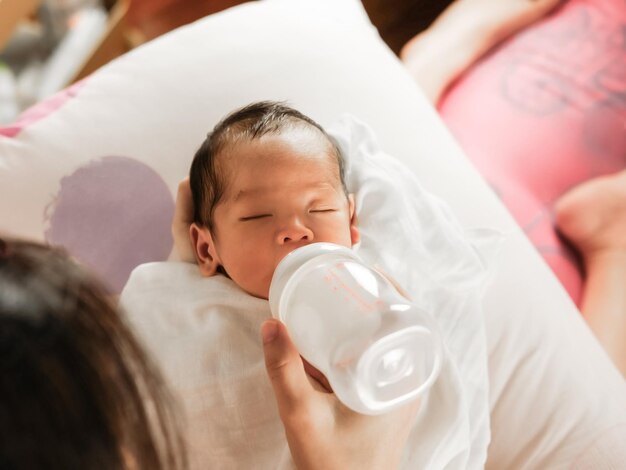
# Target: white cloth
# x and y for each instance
(204, 332)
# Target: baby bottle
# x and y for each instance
(376, 348)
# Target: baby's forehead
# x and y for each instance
(308, 151)
(300, 139)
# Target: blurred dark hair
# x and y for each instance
(253, 121)
(77, 391)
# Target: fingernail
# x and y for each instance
(269, 329)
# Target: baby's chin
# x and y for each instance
(260, 292)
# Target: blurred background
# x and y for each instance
(46, 45)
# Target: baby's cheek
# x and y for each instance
(339, 234)
(254, 273)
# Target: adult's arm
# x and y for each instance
(462, 34)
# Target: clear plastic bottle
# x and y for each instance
(376, 348)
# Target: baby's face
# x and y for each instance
(282, 192)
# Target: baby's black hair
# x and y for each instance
(251, 122)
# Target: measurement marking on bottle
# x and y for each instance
(350, 293)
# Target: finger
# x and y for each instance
(184, 201)
(183, 217)
(183, 212)
(284, 368)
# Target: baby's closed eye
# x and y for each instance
(254, 217)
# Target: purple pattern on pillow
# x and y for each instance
(113, 214)
(41, 110)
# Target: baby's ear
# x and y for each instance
(204, 249)
(355, 236)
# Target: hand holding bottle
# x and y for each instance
(323, 433)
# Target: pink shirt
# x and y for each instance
(544, 112)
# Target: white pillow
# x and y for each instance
(199, 328)
(99, 173)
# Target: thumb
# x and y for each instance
(284, 368)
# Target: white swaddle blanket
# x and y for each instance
(204, 332)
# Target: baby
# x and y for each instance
(266, 180)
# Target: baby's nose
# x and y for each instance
(294, 232)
